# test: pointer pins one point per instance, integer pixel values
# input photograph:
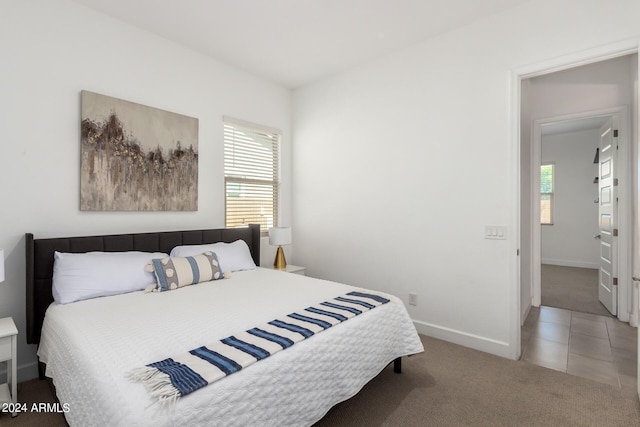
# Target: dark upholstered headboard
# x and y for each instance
(39, 258)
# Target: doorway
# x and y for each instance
(572, 245)
(569, 94)
(582, 94)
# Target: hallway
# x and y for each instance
(571, 288)
(600, 348)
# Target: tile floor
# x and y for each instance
(600, 348)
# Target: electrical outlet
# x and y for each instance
(413, 298)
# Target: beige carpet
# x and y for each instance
(30, 392)
(571, 288)
(449, 385)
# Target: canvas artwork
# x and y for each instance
(136, 158)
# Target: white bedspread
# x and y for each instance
(88, 347)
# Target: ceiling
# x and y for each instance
(295, 42)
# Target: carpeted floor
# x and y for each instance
(449, 385)
(38, 392)
(571, 288)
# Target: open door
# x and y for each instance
(607, 217)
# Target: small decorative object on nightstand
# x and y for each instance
(8, 353)
(280, 236)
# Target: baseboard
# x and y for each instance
(633, 320)
(570, 263)
(488, 345)
(26, 372)
(524, 314)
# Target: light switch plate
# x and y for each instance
(495, 232)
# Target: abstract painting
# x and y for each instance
(136, 158)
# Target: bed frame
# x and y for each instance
(39, 258)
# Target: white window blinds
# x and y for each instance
(251, 174)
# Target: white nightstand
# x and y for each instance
(8, 353)
(295, 269)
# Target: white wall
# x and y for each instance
(399, 164)
(591, 87)
(569, 241)
(53, 49)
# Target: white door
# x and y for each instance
(607, 217)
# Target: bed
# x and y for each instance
(88, 347)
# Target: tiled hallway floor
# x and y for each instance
(600, 348)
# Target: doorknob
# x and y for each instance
(597, 236)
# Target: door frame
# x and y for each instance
(624, 47)
(625, 205)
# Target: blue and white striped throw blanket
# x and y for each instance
(172, 378)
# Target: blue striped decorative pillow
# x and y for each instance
(176, 272)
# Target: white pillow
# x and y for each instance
(95, 274)
(231, 256)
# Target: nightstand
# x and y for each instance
(8, 353)
(295, 269)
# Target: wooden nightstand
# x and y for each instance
(8, 353)
(295, 269)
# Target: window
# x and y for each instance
(547, 173)
(251, 174)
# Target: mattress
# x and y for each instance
(89, 346)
